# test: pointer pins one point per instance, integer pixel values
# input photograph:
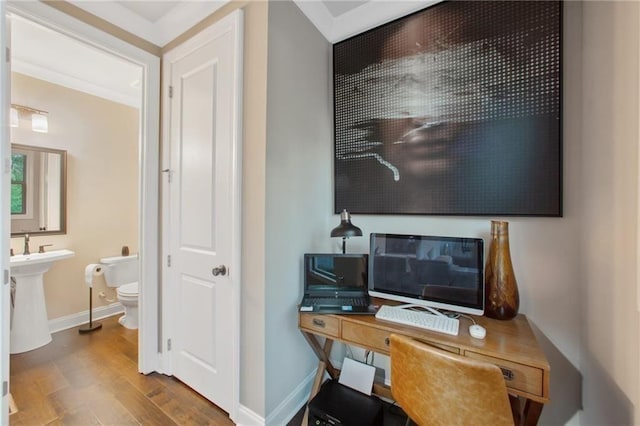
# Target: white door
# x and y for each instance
(202, 273)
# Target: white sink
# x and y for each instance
(30, 325)
(36, 263)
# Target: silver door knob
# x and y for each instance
(219, 270)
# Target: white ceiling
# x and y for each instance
(341, 19)
(161, 21)
(42, 53)
(48, 55)
(158, 22)
(152, 11)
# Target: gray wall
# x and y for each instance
(298, 189)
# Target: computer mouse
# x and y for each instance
(477, 331)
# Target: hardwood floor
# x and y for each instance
(92, 379)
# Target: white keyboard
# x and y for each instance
(424, 320)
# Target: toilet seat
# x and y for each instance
(128, 290)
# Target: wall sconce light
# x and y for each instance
(14, 117)
(39, 119)
(39, 123)
(346, 229)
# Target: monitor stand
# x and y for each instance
(426, 308)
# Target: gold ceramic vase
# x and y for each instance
(501, 289)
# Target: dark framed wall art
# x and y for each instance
(453, 110)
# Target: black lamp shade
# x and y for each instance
(346, 229)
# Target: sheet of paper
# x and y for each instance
(357, 375)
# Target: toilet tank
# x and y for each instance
(119, 270)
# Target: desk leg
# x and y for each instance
(322, 352)
(323, 365)
(516, 409)
(532, 411)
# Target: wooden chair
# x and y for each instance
(435, 387)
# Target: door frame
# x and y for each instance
(149, 357)
(5, 224)
(232, 22)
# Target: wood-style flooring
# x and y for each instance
(92, 379)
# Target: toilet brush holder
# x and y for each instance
(92, 326)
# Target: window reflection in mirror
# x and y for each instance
(38, 190)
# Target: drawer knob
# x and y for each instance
(318, 322)
(386, 341)
(507, 374)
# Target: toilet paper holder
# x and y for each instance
(90, 271)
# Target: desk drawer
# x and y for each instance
(377, 339)
(517, 376)
(368, 337)
(322, 324)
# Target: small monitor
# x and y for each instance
(431, 271)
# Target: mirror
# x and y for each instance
(38, 190)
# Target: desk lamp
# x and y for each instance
(346, 229)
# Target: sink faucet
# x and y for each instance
(26, 244)
(41, 248)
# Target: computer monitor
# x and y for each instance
(430, 271)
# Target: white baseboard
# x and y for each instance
(74, 320)
(290, 406)
(284, 412)
(247, 417)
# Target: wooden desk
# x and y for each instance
(510, 345)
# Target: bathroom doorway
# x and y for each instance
(146, 163)
(92, 102)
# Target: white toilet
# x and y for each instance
(123, 272)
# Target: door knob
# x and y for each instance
(219, 270)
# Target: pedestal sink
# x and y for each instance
(30, 325)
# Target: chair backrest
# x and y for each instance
(435, 387)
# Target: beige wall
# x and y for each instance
(101, 140)
(610, 108)
(253, 387)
